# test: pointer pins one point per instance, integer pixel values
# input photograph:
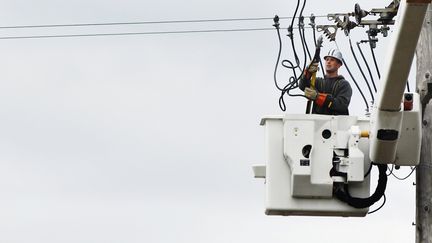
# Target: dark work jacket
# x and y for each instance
(338, 97)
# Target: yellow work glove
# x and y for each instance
(310, 93)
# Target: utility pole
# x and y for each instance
(424, 169)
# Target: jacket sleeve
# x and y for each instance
(305, 81)
(340, 101)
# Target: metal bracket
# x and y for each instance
(346, 25)
(334, 16)
(376, 22)
(386, 14)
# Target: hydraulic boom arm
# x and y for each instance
(386, 121)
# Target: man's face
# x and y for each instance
(332, 64)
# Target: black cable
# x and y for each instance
(341, 191)
(382, 205)
(282, 105)
(369, 170)
(293, 79)
(315, 41)
(291, 35)
(367, 66)
(302, 68)
(358, 87)
(276, 25)
(391, 172)
(406, 177)
(302, 32)
(408, 87)
(374, 58)
(305, 44)
(361, 70)
(293, 84)
(390, 169)
(300, 27)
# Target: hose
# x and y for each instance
(341, 191)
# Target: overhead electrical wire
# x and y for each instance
(291, 35)
(135, 33)
(367, 66)
(358, 87)
(355, 82)
(315, 41)
(302, 32)
(303, 38)
(374, 58)
(376, 64)
(187, 31)
(143, 22)
(276, 25)
(360, 69)
(292, 80)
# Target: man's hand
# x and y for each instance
(310, 93)
(313, 67)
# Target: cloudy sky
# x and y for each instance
(151, 138)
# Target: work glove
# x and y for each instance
(313, 67)
(310, 93)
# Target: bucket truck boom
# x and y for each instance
(386, 122)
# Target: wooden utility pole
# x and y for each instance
(424, 169)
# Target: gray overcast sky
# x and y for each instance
(151, 138)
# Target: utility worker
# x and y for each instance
(331, 94)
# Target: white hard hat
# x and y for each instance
(335, 53)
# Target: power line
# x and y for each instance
(135, 33)
(143, 22)
(139, 33)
